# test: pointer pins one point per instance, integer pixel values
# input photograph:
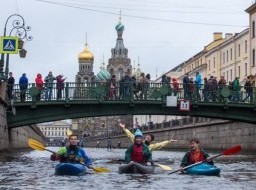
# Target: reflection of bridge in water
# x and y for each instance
(80, 100)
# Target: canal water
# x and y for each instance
(33, 170)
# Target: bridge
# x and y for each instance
(78, 100)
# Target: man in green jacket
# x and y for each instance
(138, 152)
(148, 139)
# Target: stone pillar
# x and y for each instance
(4, 136)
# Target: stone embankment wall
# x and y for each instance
(216, 135)
(18, 137)
(4, 138)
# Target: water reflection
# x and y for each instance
(34, 170)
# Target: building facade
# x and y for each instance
(252, 41)
(230, 59)
(55, 131)
(231, 56)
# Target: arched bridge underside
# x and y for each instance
(26, 113)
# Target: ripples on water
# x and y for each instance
(34, 170)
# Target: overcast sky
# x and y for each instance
(163, 33)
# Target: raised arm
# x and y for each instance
(127, 132)
(160, 145)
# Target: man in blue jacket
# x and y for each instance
(198, 85)
(23, 83)
(72, 153)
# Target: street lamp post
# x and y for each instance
(21, 31)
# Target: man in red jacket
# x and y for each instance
(195, 154)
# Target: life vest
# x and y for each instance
(137, 154)
(193, 158)
(73, 155)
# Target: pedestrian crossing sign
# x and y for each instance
(9, 45)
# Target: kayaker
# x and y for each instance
(138, 152)
(72, 153)
(148, 139)
(195, 154)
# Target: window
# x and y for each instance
(223, 74)
(245, 46)
(231, 53)
(227, 55)
(197, 62)
(239, 48)
(239, 71)
(253, 29)
(253, 57)
(227, 75)
(231, 77)
(245, 68)
(223, 57)
(213, 62)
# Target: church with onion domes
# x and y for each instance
(85, 60)
(118, 65)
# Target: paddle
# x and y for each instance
(164, 167)
(229, 151)
(36, 145)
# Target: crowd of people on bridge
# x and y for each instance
(211, 89)
(44, 86)
(207, 89)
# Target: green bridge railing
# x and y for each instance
(125, 91)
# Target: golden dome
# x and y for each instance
(85, 55)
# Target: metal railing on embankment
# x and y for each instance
(158, 127)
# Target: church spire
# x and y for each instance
(120, 16)
(86, 43)
(119, 51)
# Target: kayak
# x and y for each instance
(137, 168)
(204, 169)
(70, 169)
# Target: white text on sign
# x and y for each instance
(184, 105)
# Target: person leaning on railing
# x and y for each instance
(148, 139)
(23, 84)
(39, 86)
(248, 89)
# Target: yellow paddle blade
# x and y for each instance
(100, 169)
(163, 166)
(35, 145)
